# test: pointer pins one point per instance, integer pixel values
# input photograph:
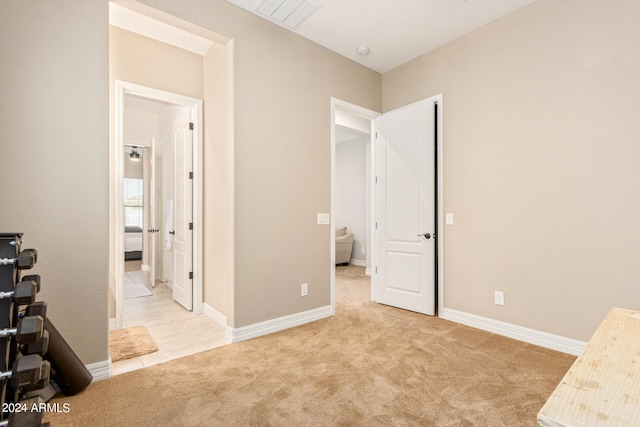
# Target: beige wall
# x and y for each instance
(137, 59)
(540, 160)
(218, 251)
(541, 151)
(54, 157)
(282, 85)
(55, 77)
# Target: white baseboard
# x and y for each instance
(532, 336)
(219, 319)
(264, 328)
(275, 325)
(168, 283)
(112, 324)
(145, 267)
(100, 370)
(359, 262)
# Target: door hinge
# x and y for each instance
(190, 126)
(376, 225)
(376, 179)
(190, 175)
(190, 226)
(376, 270)
(191, 275)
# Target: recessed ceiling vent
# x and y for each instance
(287, 12)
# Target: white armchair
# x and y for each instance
(344, 246)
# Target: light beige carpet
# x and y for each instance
(130, 342)
(369, 365)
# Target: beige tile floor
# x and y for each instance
(177, 332)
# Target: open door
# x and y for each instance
(183, 217)
(405, 205)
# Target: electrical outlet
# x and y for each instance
(304, 289)
(498, 297)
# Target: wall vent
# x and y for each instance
(287, 12)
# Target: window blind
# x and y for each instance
(133, 207)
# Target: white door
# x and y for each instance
(183, 208)
(405, 208)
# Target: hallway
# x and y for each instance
(177, 332)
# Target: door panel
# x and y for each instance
(402, 268)
(402, 172)
(405, 208)
(182, 246)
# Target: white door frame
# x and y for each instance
(371, 115)
(123, 88)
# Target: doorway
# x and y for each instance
(353, 176)
(193, 109)
(139, 216)
(349, 120)
(376, 247)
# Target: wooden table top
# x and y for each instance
(602, 387)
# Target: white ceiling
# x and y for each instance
(345, 134)
(396, 31)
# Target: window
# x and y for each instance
(133, 211)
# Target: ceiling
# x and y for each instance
(346, 134)
(395, 31)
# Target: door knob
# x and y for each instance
(426, 235)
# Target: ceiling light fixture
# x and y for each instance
(363, 50)
(135, 156)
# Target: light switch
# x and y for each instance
(449, 219)
(324, 218)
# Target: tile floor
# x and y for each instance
(177, 332)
